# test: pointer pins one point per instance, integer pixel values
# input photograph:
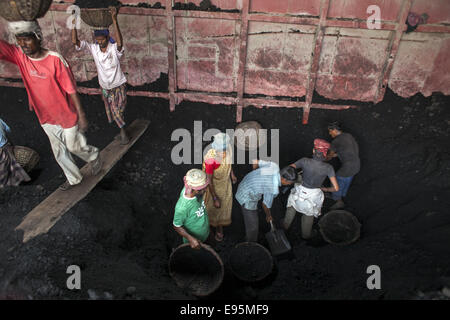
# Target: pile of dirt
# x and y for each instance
(121, 234)
(157, 5)
(205, 5)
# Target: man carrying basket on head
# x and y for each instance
(52, 95)
(107, 53)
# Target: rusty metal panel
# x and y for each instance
(437, 10)
(206, 54)
(297, 7)
(439, 77)
(278, 59)
(357, 9)
(288, 48)
(350, 66)
(413, 65)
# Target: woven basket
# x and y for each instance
(248, 137)
(198, 271)
(97, 18)
(20, 10)
(250, 261)
(339, 227)
(26, 157)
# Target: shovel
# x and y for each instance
(278, 242)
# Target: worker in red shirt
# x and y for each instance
(52, 94)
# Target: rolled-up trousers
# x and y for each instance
(307, 222)
(251, 222)
(67, 141)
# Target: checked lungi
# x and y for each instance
(115, 102)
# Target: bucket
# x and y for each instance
(250, 261)
(339, 227)
(26, 157)
(199, 271)
(24, 10)
(248, 137)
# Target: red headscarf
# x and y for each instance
(321, 146)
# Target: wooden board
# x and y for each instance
(44, 216)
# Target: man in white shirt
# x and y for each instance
(107, 53)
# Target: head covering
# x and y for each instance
(221, 142)
(335, 125)
(104, 33)
(195, 179)
(26, 28)
(272, 169)
(321, 146)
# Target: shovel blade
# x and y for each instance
(278, 242)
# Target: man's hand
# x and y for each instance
(194, 243)
(269, 218)
(82, 123)
(255, 164)
(113, 11)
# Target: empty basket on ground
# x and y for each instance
(247, 136)
(20, 10)
(97, 18)
(250, 261)
(26, 157)
(199, 271)
(339, 227)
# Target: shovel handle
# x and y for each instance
(272, 228)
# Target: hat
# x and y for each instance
(221, 141)
(195, 179)
(321, 146)
(25, 28)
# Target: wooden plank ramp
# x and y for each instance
(45, 215)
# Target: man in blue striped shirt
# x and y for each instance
(263, 182)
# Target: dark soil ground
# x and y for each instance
(121, 236)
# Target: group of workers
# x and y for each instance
(206, 200)
(205, 203)
(52, 95)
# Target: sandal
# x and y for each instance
(66, 186)
(219, 236)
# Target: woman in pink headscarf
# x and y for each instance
(307, 197)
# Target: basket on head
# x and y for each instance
(97, 18)
(24, 10)
(247, 135)
(250, 261)
(339, 227)
(26, 157)
(199, 271)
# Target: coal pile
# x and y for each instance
(121, 234)
(97, 3)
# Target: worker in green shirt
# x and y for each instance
(191, 219)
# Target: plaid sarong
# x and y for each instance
(11, 173)
(115, 102)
